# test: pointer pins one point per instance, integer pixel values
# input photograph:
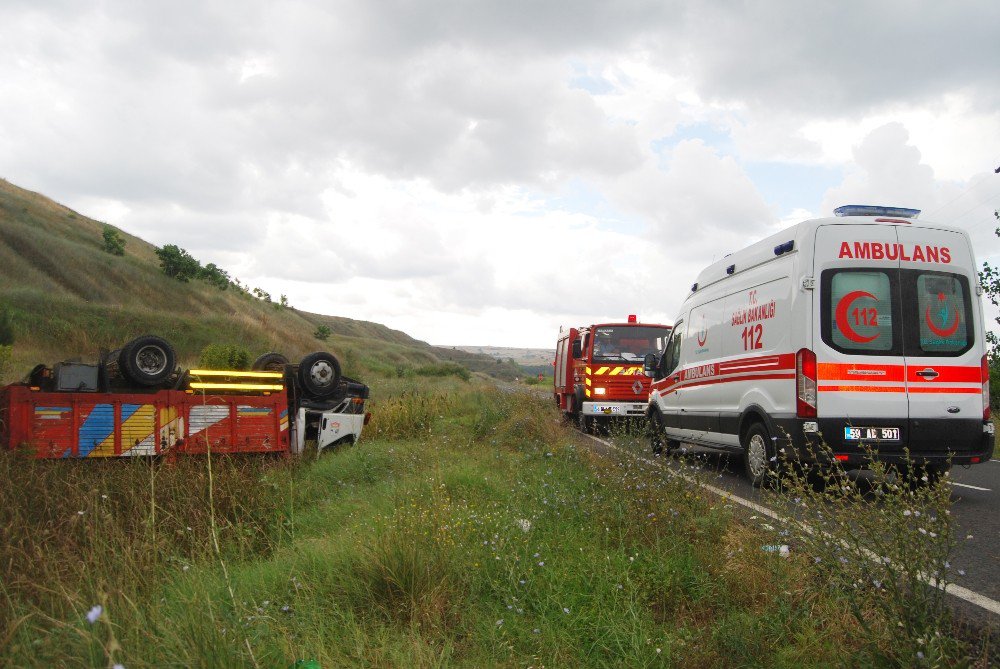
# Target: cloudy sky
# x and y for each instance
(480, 172)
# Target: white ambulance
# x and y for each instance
(864, 330)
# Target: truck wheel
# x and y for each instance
(270, 362)
(584, 422)
(147, 360)
(319, 374)
(757, 453)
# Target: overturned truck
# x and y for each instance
(136, 402)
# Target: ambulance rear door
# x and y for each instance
(942, 340)
(859, 348)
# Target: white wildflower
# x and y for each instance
(94, 613)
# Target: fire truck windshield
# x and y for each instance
(628, 343)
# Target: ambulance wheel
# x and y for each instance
(319, 374)
(654, 433)
(270, 362)
(584, 422)
(147, 360)
(757, 453)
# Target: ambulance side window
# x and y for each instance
(861, 311)
(671, 356)
(941, 324)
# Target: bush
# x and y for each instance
(322, 333)
(114, 243)
(178, 263)
(214, 275)
(6, 327)
(6, 353)
(225, 356)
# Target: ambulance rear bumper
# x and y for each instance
(935, 441)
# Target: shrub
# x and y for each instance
(6, 327)
(214, 275)
(224, 356)
(114, 243)
(178, 263)
(322, 332)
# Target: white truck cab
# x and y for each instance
(863, 330)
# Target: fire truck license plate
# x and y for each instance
(608, 409)
(872, 433)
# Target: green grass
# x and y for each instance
(466, 529)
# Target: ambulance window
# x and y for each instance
(858, 311)
(942, 316)
(673, 353)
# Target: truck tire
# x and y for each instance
(147, 361)
(584, 422)
(319, 374)
(270, 362)
(757, 453)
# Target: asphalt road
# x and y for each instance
(975, 510)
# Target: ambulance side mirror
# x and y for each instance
(577, 348)
(649, 365)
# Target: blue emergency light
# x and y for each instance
(874, 210)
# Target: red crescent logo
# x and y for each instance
(948, 330)
(841, 316)
(702, 340)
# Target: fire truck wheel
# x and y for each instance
(147, 360)
(757, 453)
(319, 374)
(270, 362)
(584, 422)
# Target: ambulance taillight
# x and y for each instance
(986, 388)
(805, 383)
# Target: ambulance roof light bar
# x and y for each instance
(875, 210)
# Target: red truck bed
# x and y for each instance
(79, 425)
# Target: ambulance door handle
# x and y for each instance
(928, 373)
(677, 377)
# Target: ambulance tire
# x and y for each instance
(758, 450)
(147, 361)
(654, 433)
(319, 374)
(270, 362)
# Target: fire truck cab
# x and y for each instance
(598, 373)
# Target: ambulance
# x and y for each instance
(857, 334)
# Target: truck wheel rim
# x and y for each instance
(756, 455)
(150, 360)
(321, 373)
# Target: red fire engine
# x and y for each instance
(598, 370)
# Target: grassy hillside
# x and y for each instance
(69, 298)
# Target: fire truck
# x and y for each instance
(599, 370)
(136, 402)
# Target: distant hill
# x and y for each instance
(523, 356)
(69, 298)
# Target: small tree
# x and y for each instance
(322, 333)
(284, 301)
(215, 275)
(114, 243)
(989, 279)
(178, 263)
